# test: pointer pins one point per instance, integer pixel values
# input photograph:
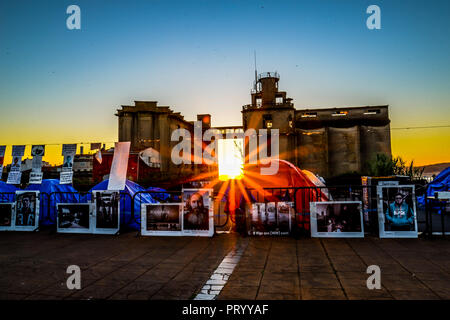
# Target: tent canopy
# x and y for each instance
(52, 192)
(287, 176)
(159, 193)
(440, 183)
(5, 189)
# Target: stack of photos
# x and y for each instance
(107, 215)
(198, 212)
(74, 217)
(397, 211)
(271, 218)
(27, 210)
(161, 219)
(6, 216)
(337, 219)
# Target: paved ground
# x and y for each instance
(33, 266)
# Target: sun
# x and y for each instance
(230, 159)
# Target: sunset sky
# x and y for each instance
(64, 86)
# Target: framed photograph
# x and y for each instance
(397, 216)
(198, 212)
(7, 216)
(107, 212)
(271, 218)
(337, 219)
(161, 219)
(74, 217)
(27, 210)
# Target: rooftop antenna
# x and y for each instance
(256, 76)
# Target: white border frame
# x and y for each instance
(37, 213)
(395, 234)
(200, 233)
(313, 221)
(13, 216)
(76, 230)
(96, 230)
(146, 232)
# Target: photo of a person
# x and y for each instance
(107, 210)
(68, 162)
(337, 219)
(26, 209)
(195, 211)
(399, 215)
(15, 165)
(397, 211)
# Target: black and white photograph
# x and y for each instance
(27, 210)
(271, 218)
(161, 219)
(38, 150)
(198, 213)
(6, 216)
(107, 212)
(337, 219)
(74, 217)
(285, 214)
(397, 211)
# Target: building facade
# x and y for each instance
(328, 142)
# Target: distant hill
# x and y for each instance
(434, 168)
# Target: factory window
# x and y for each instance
(279, 100)
(373, 111)
(339, 113)
(267, 121)
(258, 102)
(309, 115)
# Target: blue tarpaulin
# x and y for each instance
(440, 183)
(126, 196)
(52, 193)
(5, 196)
(158, 193)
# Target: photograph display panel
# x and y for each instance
(164, 219)
(75, 217)
(198, 212)
(107, 212)
(337, 219)
(397, 216)
(271, 218)
(26, 210)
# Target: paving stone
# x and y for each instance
(319, 280)
(363, 293)
(277, 296)
(238, 293)
(322, 294)
(414, 295)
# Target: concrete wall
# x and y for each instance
(343, 150)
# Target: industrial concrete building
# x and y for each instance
(328, 142)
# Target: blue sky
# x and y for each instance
(59, 85)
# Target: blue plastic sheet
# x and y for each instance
(7, 192)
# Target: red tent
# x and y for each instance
(288, 184)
